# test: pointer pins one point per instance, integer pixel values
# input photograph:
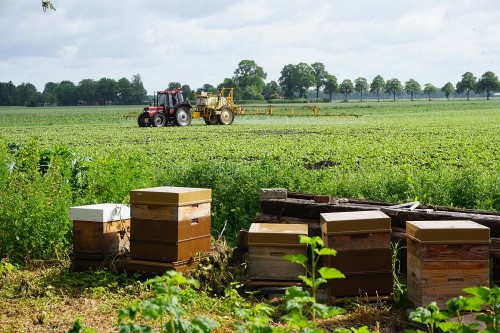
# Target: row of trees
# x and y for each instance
(296, 81)
(87, 91)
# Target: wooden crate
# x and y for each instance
(362, 240)
(267, 244)
(443, 258)
(169, 224)
(101, 228)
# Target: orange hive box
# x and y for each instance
(267, 244)
(445, 257)
(362, 240)
(169, 224)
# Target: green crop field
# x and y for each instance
(438, 152)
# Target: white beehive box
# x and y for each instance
(105, 212)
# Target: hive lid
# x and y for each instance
(276, 234)
(168, 195)
(370, 221)
(105, 212)
(448, 232)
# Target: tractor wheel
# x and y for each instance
(212, 120)
(159, 120)
(226, 116)
(182, 116)
(141, 120)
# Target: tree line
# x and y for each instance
(295, 81)
(86, 92)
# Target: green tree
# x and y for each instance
(187, 92)
(28, 95)
(271, 88)
(125, 91)
(488, 83)
(467, 84)
(249, 77)
(331, 85)
(377, 85)
(448, 89)
(66, 93)
(429, 89)
(287, 80)
(346, 88)
(296, 79)
(229, 83)
(50, 93)
(320, 75)
(360, 85)
(393, 86)
(87, 90)
(174, 85)
(8, 94)
(107, 89)
(411, 87)
(139, 93)
(207, 87)
(251, 93)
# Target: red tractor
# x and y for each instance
(169, 108)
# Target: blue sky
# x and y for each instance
(197, 42)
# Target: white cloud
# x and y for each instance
(197, 42)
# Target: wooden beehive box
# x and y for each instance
(362, 240)
(444, 257)
(169, 224)
(100, 229)
(267, 244)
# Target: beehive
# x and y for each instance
(444, 257)
(362, 240)
(267, 244)
(169, 224)
(100, 229)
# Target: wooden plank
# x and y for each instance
(399, 216)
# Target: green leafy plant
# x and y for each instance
(400, 291)
(490, 298)
(297, 299)
(483, 297)
(79, 327)
(164, 311)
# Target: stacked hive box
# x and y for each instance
(363, 243)
(443, 258)
(100, 233)
(170, 226)
(267, 244)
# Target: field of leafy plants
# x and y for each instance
(438, 152)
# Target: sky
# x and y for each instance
(197, 41)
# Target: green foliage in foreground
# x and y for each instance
(483, 297)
